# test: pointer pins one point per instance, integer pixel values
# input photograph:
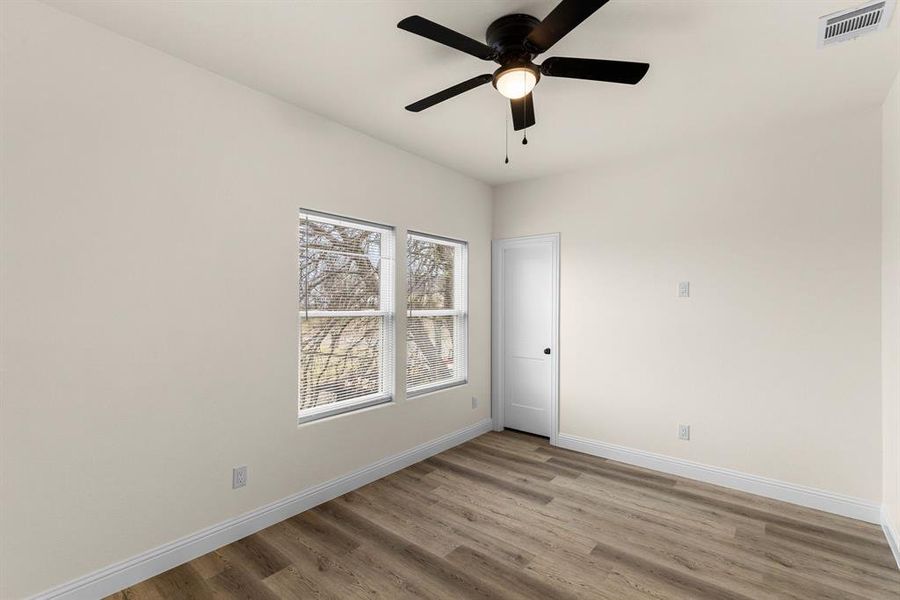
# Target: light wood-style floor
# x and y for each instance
(508, 516)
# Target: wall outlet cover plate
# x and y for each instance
(238, 477)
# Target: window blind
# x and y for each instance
(346, 358)
(436, 328)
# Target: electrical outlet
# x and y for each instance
(238, 477)
(684, 289)
(474, 402)
(684, 432)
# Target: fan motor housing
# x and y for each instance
(507, 36)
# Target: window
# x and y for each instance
(346, 315)
(436, 321)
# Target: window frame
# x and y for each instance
(460, 323)
(387, 311)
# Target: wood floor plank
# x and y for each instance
(509, 516)
(452, 580)
(392, 575)
(418, 531)
(254, 554)
(606, 469)
(573, 491)
(860, 548)
(461, 524)
(456, 526)
(322, 534)
(512, 442)
(646, 502)
(236, 582)
(801, 513)
(730, 506)
(316, 572)
(513, 581)
(720, 559)
(412, 480)
(146, 590)
(695, 587)
(517, 463)
(296, 584)
(211, 564)
(485, 479)
(580, 575)
(724, 510)
(721, 562)
(503, 516)
(798, 557)
(183, 582)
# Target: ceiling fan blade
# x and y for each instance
(448, 37)
(567, 15)
(522, 112)
(455, 90)
(615, 71)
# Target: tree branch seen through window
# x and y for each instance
(345, 309)
(436, 323)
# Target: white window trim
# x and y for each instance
(331, 410)
(386, 295)
(435, 388)
(461, 293)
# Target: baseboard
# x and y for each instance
(891, 534)
(847, 506)
(143, 566)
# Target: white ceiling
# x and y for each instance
(720, 67)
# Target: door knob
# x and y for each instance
(546, 350)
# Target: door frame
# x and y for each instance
(497, 248)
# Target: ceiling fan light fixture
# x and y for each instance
(516, 82)
(514, 41)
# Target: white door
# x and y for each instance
(527, 304)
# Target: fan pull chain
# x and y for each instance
(525, 120)
(525, 110)
(506, 135)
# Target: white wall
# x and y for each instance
(774, 360)
(890, 301)
(148, 314)
(149, 266)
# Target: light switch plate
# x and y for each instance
(684, 289)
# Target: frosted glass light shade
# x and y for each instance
(516, 83)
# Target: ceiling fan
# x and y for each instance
(514, 41)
